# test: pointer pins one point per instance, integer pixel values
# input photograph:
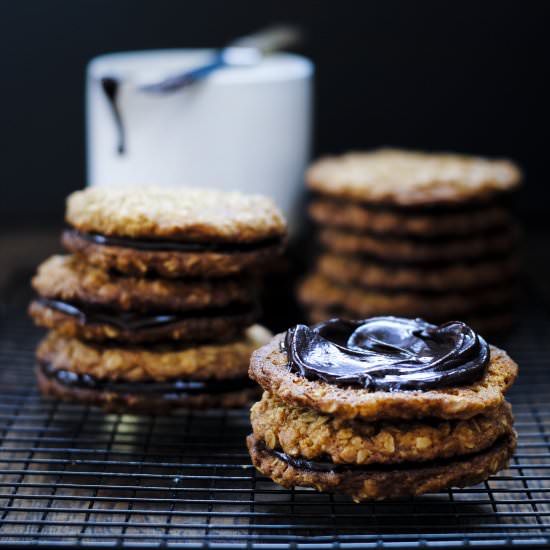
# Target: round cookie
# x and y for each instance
(153, 380)
(175, 214)
(129, 402)
(190, 326)
(319, 292)
(302, 432)
(396, 250)
(360, 218)
(171, 262)
(371, 274)
(269, 367)
(376, 483)
(409, 179)
(159, 362)
(174, 232)
(69, 279)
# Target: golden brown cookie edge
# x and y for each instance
(133, 403)
(268, 367)
(171, 264)
(192, 329)
(160, 362)
(175, 213)
(69, 278)
(392, 484)
(306, 433)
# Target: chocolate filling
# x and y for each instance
(326, 465)
(160, 245)
(387, 353)
(132, 321)
(168, 388)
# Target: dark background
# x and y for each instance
(420, 74)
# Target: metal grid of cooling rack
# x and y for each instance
(73, 476)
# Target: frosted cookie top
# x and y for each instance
(188, 214)
(406, 178)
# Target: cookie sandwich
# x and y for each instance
(155, 307)
(414, 234)
(174, 232)
(381, 408)
(79, 299)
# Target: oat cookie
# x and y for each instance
(154, 379)
(159, 362)
(319, 292)
(172, 263)
(177, 214)
(360, 218)
(173, 232)
(131, 327)
(385, 407)
(455, 277)
(406, 178)
(269, 367)
(377, 483)
(127, 401)
(412, 251)
(305, 433)
(69, 279)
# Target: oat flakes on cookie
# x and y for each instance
(381, 408)
(391, 250)
(157, 378)
(317, 291)
(414, 225)
(455, 277)
(67, 278)
(357, 217)
(173, 232)
(409, 178)
(154, 310)
(80, 300)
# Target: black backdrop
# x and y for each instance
(419, 74)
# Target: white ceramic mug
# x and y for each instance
(245, 129)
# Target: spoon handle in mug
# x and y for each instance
(243, 52)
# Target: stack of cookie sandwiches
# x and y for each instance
(155, 307)
(414, 234)
(381, 408)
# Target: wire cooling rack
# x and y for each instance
(73, 476)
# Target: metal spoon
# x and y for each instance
(243, 52)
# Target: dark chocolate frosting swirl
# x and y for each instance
(387, 353)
